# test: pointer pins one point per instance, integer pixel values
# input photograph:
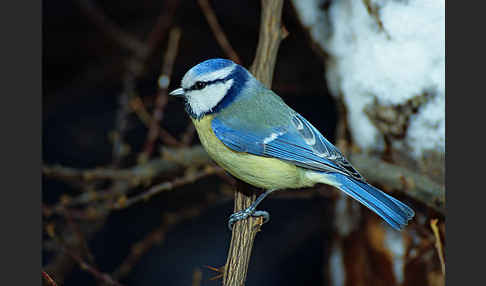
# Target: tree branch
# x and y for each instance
(167, 186)
(173, 159)
(391, 177)
(244, 231)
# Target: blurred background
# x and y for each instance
(129, 196)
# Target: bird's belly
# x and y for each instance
(262, 172)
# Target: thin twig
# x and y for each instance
(138, 107)
(136, 104)
(271, 34)
(162, 94)
(159, 234)
(82, 242)
(110, 28)
(167, 186)
(390, 176)
(438, 243)
(219, 270)
(196, 277)
(48, 278)
(121, 121)
(104, 277)
(135, 67)
(188, 135)
(174, 160)
(162, 24)
(68, 173)
(139, 249)
(62, 264)
(218, 31)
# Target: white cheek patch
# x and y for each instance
(202, 101)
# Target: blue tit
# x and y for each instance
(250, 132)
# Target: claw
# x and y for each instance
(251, 211)
(264, 214)
(244, 214)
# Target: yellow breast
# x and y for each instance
(262, 172)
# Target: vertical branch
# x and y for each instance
(244, 231)
(271, 34)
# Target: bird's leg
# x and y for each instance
(251, 211)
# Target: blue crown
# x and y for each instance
(211, 65)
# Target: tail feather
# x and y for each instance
(394, 212)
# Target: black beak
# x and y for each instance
(177, 93)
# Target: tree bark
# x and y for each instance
(244, 231)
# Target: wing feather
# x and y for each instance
(297, 142)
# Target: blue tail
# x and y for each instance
(394, 212)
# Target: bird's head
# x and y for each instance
(211, 85)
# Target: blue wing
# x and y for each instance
(295, 141)
(298, 142)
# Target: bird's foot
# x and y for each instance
(244, 214)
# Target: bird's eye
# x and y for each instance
(199, 85)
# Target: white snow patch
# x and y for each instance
(347, 215)
(390, 66)
(395, 243)
(336, 266)
(427, 129)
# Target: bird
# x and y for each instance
(249, 131)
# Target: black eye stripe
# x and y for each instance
(198, 85)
